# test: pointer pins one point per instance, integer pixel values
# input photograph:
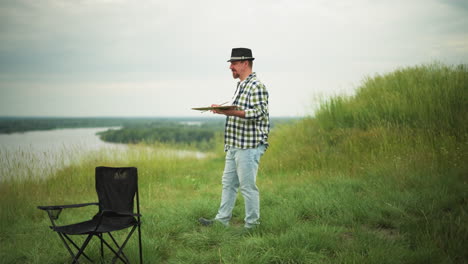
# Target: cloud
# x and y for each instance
(303, 48)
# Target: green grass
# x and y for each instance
(379, 177)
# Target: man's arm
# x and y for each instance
(259, 100)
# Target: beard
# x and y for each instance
(235, 75)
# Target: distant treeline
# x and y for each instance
(24, 124)
(196, 133)
(199, 132)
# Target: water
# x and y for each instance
(40, 141)
(39, 153)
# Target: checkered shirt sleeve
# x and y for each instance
(251, 131)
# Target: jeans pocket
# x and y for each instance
(260, 150)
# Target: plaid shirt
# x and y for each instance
(251, 131)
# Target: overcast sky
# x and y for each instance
(160, 58)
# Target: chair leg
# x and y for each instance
(73, 243)
(76, 247)
(66, 245)
(85, 244)
(139, 243)
(120, 251)
(102, 246)
(118, 247)
(123, 245)
(113, 251)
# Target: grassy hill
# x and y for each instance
(379, 177)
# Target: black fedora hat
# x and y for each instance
(238, 54)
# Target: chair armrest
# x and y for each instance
(54, 210)
(59, 207)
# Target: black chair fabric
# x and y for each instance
(116, 190)
(108, 224)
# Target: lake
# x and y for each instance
(39, 153)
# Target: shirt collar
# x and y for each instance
(252, 75)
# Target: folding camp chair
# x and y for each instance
(116, 189)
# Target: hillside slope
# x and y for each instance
(379, 177)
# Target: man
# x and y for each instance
(245, 139)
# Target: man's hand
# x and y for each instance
(238, 113)
(216, 111)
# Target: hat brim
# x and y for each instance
(241, 59)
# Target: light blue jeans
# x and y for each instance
(240, 171)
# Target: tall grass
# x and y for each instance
(401, 142)
(429, 97)
(379, 177)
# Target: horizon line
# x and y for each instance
(97, 116)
